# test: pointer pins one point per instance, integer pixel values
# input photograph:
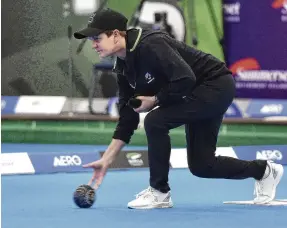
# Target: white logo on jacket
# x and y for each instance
(149, 78)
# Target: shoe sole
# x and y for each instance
(153, 206)
(277, 181)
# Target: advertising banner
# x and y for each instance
(130, 159)
(255, 40)
(262, 108)
(40, 104)
(233, 111)
(69, 162)
(276, 153)
(66, 162)
(15, 163)
(8, 104)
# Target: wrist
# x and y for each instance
(107, 161)
(107, 158)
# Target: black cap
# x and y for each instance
(104, 20)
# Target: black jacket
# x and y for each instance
(156, 64)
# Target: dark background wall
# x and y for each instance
(35, 50)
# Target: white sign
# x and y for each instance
(85, 7)
(16, 163)
(40, 104)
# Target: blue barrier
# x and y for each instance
(30, 159)
(266, 108)
(247, 108)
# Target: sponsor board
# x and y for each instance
(8, 104)
(16, 163)
(276, 153)
(257, 61)
(84, 106)
(40, 104)
(54, 162)
(233, 111)
(65, 162)
(130, 159)
(266, 108)
(178, 157)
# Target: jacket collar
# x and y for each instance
(132, 40)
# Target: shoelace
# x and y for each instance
(145, 192)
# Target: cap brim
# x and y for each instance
(87, 32)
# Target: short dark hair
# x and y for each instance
(110, 32)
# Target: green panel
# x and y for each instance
(98, 132)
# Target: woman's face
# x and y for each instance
(104, 45)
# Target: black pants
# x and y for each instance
(202, 115)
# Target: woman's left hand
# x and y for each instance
(147, 104)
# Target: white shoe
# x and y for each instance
(265, 189)
(151, 198)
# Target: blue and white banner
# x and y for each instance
(16, 163)
(266, 108)
(233, 111)
(276, 153)
(69, 162)
(40, 105)
(240, 108)
(257, 108)
(64, 162)
(8, 104)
